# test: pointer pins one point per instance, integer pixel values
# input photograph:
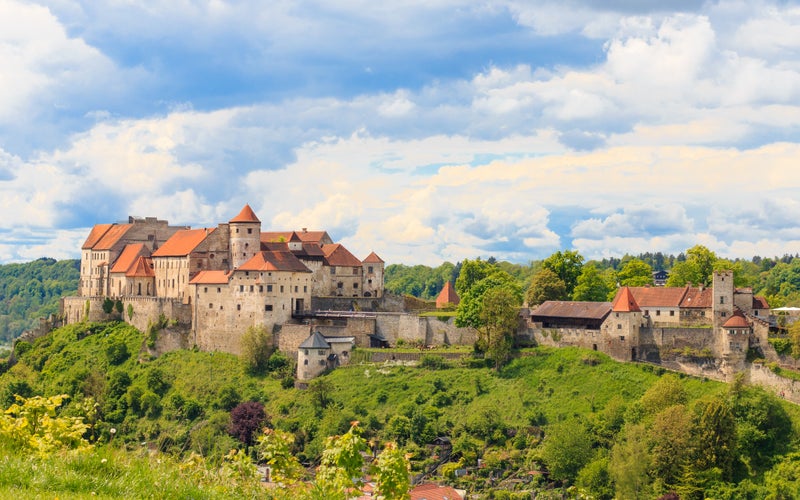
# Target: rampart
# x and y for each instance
(144, 310)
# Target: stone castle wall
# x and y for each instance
(146, 310)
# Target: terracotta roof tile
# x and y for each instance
(210, 278)
(760, 303)
(658, 296)
(736, 321)
(274, 261)
(572, 309)
(128, 257)
(448, 295)
(373, 258)
(95, 234)
(294, 237)
(112, 236)
(141, 268)
(697, 298)
(183, 242)
(432, 491)
(246, 215)
(337, 255)
(624, 301)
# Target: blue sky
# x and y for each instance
(425, 131)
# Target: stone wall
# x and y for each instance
(289, 337)
(145, 310)
(786, 388)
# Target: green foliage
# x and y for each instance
(433, 362)
(275, 447)
(117, 352)
(340, 468)
(567, 448)
(546, 285)
(391, 474)
(32, 290)
(668, 391)
(130, 312)
(419, 281)
(635, 273)
(256, 349)
(476, 279)
(499, 317)
(33, 425)
(567, 265)
(590, 285)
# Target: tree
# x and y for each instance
(671, 443)
(499, 316)
(247, 418)
(714, 437)
(391, 474)
(275, 449)
(591, 286)
(339, 471)
(566, 449)
(635, 273)
(629, 464)
(256, 349)
(567, 266)
(472, 271)
(469, 309)
(698, 268)
(546, 285)
(667, 391)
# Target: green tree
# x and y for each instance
(274, 447)
(591, 286)
(567, 265)
(630, 463)
(499, 316)
(469, 309)
(566, 449)
(108, 305)
(391, 474)
(667, 391)
(698, 268)
(671, 443)
(256, 348)
(545, 285)
(635, 273)
(472, 271)
(340, 472)
(714, 437)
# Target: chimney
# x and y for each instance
(305, 229)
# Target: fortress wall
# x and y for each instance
(438, 332)
(680, 338)
(290, 336)
(145, 310)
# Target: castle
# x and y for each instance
(220, 280)
(662, 324)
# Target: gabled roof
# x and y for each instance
(760, 303)
(315, 341)
(141, 268)
(660, 296)
(448, 295)
(128, 257)
(624, 301)
(697, 298)
(246, 215)
(320, 237)
(432, 491)
(183, 242)
(112, 236)
(373, 258)
(736, 321)
(95, 234)
(274, 261)
(337, 255)
(294, 237)
(571, 309)
(210, 278)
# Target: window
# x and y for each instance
(356, 270)
(219, 289)
(251, 288)
(247, 273)
(340, 285)
(622, 338)
(321, 352)
(722, 300)
(220, 307)
(305, 289)
(295, 289)
(333, 270)
(619, 326)
(306, 352)
(305, 361)
(723, 314)
(205, 289)
(269, 288)
(260, 288)
(658, 312)
(238, 307)
(210, 305)
(672, 313)
(268, 307)
(249, 230)
(369, 269)
(241, 288)
(281, 288)
(355, 285)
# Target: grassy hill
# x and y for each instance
(573, 413)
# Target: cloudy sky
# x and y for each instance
(423, 130)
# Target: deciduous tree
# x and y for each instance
(499, 316)
(591, 286)
(546, 285)
(567, 265)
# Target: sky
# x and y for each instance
(426, 131)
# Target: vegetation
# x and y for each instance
(31, 291)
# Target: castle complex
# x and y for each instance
(662, 324)
(220, 280)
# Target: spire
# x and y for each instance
(624, 301)
(246, 215)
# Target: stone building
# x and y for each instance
(220, 280)
(318, 353)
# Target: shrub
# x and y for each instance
(247, 418)
(256, 349)
(228, 398)
(433, 362)
(108, 305)
(117, 353)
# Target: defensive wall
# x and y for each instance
(145, 310)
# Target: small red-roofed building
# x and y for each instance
(448, 297)
(432, 491)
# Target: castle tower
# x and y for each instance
(734, 336)
(245, 236)
(372, 285)
(722, 305)
(626, 321)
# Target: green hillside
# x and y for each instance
(597, 426)
(31, 291)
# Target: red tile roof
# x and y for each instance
(274, 261)
(246, 215)
(736, 321)
(697, 298)
(210, 278)
(624, 301)
(128, 256)
(658, 296)
(760, 303)
(432, 491)
(294, 237)
(337, 255)
(571, 309)
(373, 258)
(95, 234)
(142, 268)
(112, 236)
(183, 242)
(447, 296)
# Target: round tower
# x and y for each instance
(245, 230)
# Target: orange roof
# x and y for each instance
(210, 278)
(182, 242)
(96, 233)
(246, 215)
(142, 268)
(658, 296)
(128, 256)
(432, 491)
(338, 255)
(624, 301)
(736, 321)
(295, 237)
(373, 258)
(112, 236)
(760, 303)
(274, 261)
(448, 295)
(699, 298)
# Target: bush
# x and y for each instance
(433, 362)
(117, 353)
(257, 349)
(247, 418)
